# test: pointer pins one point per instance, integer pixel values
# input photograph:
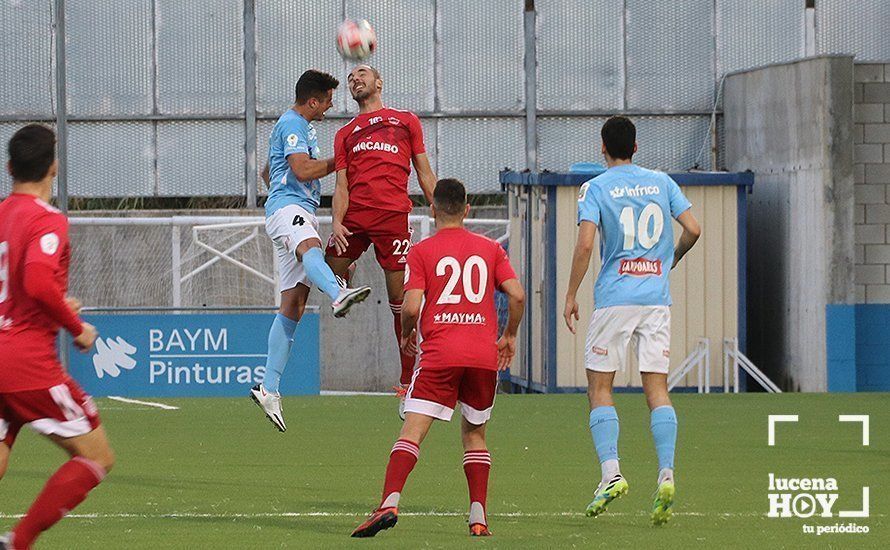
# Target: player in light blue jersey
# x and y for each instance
(294, 194)
(632, 207)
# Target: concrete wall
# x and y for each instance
(791, 124)
(871, 156)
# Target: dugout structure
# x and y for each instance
(708, 287)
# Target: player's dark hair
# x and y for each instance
(32, 151)
(619, 135)
(450, 197)
(315, 84)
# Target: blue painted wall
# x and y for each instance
(873, 347)
(858, 342)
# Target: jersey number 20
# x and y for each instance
(474, 296)
(639, 229)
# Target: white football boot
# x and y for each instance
(347, 298)
(271, 405)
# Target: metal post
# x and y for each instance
(725, 366)
(707, 365)
(735, 363)
(250, 165)
(531, 88)
(176, 258)
(61, 105)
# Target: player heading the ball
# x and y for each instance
(632, 207)
(373, 154)
(35, 389)
(295, 167)
(455, 274)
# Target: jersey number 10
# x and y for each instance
(474, 296)
(639, 229)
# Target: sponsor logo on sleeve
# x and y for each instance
(49, 244)
(599, 351)
(292, 140)
(582, 194)
(640, 267)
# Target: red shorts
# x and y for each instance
(63, 410)
(388, 231)
(435, 392)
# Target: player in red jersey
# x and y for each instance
(456, 272)
(373, 154)
(34, 388)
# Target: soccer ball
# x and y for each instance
(356, 40)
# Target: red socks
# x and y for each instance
(407, 360)
(477, 464)
(401, 461)
(67, 488)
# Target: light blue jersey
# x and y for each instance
(633, 207)
(291, 134)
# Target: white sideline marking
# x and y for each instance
(146, 403)
(352, 393)
(189, 515)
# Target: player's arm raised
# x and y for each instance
(691, 233)
(580, 262)
(307, 168)
(515, 309)
(425, 175)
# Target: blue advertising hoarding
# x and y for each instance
(191, 355)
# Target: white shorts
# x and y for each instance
(288, 227)
(613, 328)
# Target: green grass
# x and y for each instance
(231, 477)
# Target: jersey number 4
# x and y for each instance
(473, 295)
(4, 271)
(639, 229)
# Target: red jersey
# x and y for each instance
(376, 149)
(458, 272)
(31, 232)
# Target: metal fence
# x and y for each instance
(172, 98)
(196, 261)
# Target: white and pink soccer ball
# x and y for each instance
(356, 40)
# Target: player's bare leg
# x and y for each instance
(4, 459)
(604, 431)
(477, 465)
(281, 336)
(664, 431)
(395, 289)
(91, 459)
(402, 459)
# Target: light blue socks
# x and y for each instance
(320, 272)
(604, 430)
(281, 336)
(664, 432)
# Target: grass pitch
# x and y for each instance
(215, 474)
